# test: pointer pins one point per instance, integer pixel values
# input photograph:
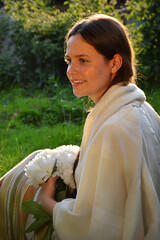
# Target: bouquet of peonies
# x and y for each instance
(50, 163)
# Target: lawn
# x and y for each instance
(29, 123)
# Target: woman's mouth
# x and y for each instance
(77, 82)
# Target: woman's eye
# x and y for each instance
(83, 60)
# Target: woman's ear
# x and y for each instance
(116, 63)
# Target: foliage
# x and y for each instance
(39, 29)
(41, 217)
(7, 65)
(38, 41)
(145, 16)
(54, 2)
(80, 9)
(4, 27)
(38, 37)
(42, 220)
(18, 139)
(153, 98)
(21, 136)
(7, 70)
(40, 110)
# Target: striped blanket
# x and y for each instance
(14, 190)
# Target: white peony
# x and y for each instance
(40, 168)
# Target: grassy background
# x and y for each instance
(29, 123)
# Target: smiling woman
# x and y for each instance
(118, 171)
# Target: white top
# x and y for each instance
(118, 174)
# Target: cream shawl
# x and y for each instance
(118, 174)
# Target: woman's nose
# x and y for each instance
(72, 69)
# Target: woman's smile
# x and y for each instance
(76, 82)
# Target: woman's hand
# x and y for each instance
(47, 194)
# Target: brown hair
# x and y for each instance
(109, 37)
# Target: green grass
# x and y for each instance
(21, 136)
(17, 143)
(153, 97)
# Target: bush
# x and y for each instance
(38, 38)
(145, 16)
(39, 30)
(38, 42)
(41, 110)
(7, 64)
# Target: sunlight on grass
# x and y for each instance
(153, 97)
(41, 126)
(20, 138)
(18, 143)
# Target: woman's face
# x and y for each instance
(88, 71)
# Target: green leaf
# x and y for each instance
(61, 196)
(35, 208)
(55, 167)
(60, 185)
(37, 224)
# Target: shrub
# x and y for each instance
(145, 16)
(39, 30)
(38, 41)
(38, 38)
(7, 63)
(41, 110)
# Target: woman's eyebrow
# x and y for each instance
(78, 55)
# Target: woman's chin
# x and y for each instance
(78, 94)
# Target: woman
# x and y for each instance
(118, 173)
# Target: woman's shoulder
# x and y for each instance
(126, 117)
